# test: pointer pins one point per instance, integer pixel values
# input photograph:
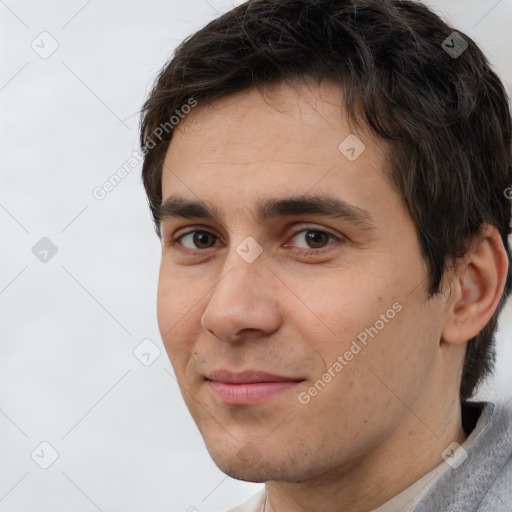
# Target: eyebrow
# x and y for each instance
(324, 205)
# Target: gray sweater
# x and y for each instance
(483, 482)
(480, 482)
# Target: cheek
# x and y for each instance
(335, 308)
(165, 309)
(177, 298)
(368, 316)
(177, 315)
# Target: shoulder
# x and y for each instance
(483, 480)
(498, 495)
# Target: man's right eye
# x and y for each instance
(194, 240)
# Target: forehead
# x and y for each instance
(294, 140)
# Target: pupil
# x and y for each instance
(315, 237)
(201, 237)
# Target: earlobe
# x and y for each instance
(476, 288)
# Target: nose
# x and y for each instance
(244, 302)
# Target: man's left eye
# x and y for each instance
(314, 238)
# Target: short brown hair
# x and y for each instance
(445, 117)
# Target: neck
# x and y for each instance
(374, 478)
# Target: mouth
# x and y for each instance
(250, 387)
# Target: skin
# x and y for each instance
(384, 420)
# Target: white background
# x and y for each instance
(68, 327)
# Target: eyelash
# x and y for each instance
(306, 252)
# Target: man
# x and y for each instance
(330, 183)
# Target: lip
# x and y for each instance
(250, 387)
(247, 377)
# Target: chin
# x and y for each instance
(246, 463)
(247, 475)
(249, 465)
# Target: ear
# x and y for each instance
(476, 288)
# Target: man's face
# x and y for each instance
(335, 303)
